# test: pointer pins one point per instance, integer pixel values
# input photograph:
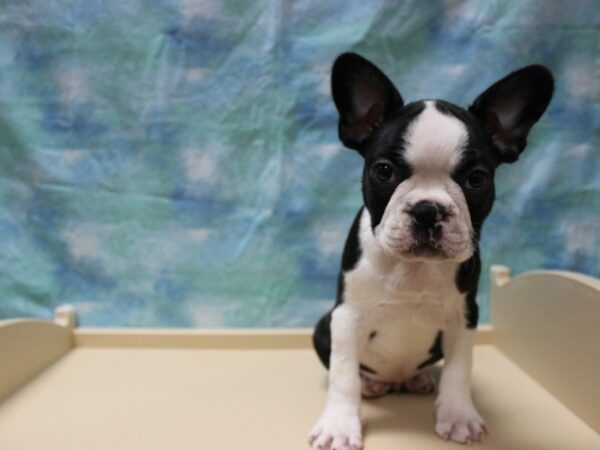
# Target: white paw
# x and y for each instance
(457, 420)
(337, 430)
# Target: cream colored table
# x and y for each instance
(536, 380)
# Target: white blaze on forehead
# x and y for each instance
(435, 141)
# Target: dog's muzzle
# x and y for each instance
(425, 230)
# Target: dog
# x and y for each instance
(410, 265)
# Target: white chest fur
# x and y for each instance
(404, 305)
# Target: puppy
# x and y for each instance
(410, 266)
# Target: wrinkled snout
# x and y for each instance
(427, 229)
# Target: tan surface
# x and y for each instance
(26, 348)
(167, 399)
(549, 324)
(263, 389)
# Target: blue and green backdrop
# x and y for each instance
(176, 163)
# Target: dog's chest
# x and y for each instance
(404, 309)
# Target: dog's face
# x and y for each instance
(428, 180)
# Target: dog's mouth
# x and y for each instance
(427, 243)
(426, 250)
(421, 245)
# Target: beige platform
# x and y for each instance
(536, 381)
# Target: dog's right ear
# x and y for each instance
(511, 106)
(364, 97)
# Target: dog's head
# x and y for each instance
(428, 180)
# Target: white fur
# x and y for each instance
(434, 146)
(340, 426)
(434, 141)
(456, 416)
(407, 303)
(407, 300)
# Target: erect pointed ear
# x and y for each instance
(510, 107)
(364, 97)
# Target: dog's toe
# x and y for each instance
(458, 421)
(337, 431)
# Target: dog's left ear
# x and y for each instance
(511, 106)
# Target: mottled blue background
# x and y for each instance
(176, 163)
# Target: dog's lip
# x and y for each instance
(427, 251)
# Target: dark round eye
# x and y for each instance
(478, 179)
(383, 172)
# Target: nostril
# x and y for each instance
(427, 214)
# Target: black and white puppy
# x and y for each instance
(410, 267)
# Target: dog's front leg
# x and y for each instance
(456, 416)
(340, 426)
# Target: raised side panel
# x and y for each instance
(255, 339)
(549, 324)
(26, 348)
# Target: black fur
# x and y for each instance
(435, 352)
(387, 146)
(350, 256)
(467, 278)
(373, 120)
(509, 108)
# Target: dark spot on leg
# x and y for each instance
(435, 352)
(372, 335)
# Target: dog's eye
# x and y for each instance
(478, 179)
(384, 172)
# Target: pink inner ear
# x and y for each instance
(374, 115)
(365, 97)
(507, 111)
(500, 133)
(503, 138)
(360, 127)
(493, 125)
(369, 109)
(363, 125)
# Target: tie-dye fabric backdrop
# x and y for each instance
(176, 163)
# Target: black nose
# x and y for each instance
(427, 214)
